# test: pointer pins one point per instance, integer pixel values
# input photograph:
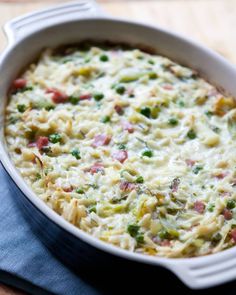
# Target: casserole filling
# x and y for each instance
(128, 146)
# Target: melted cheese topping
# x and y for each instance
(130, 147)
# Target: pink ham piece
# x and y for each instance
(165, 243)
(227, 214)
(222, 175)
(97, 167)
(41, 142)
(199, 207)
(57, 96)
(119, 109)
(127, 126)
(19, 83)
(167, 87)
(32, 144)
(85, 96)
(190, 162)
(68, 189)
(233, 234)
(126, 186)
(121, 155)
(175, 185)
(100, 140)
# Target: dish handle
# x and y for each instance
(28, 23)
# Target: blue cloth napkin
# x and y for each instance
(24, 261)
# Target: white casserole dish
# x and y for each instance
(76, 21)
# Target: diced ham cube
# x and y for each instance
(175, 185)
(119, 109)
(128, 126)
(57, 96)
(97, 167)
(165, 243)
(127, 186)
(222, 175)
(100, 140)
(85, 96)
(41, 142)
(68, 189)
(19, 83)
(227, 214)
(199, 207)
(190, 162)
(233, 234)
(121, 155)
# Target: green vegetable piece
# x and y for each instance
(120, 89)
(211, 207)
(79, 191)
(54, 138)
(140, 238)
(38, 176)
(92, 208)
(230, 204)
(73, 100)
(104, 58)
(133, 229)
(173, 121)
(197, 169)
(105, 119)
(181, 103)
(122, 146)
(209, 113)
(191, 134)
(151, 62)
(21, 108)
(163, 234)
(152, 75)
(130, 78)
(98, 96)
(146, 111)
(155, 112)
(216, 238)
(44, 104)
(139, 179)
(147, 153)
(76, 154)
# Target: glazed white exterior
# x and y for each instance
(81, 20)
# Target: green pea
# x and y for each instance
(21, 108)
(104, 58)
(98, 96)
(105, 119)
(54, 138)
(120, 89)
(139, 179)
(173, 121)
(191, 134)
(197, 169)
(76, 154)
(73, 100)
(146, 111)
(147, 153)
(80, 191)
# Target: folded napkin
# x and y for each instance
(25, 263)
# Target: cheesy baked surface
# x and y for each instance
(128, 146)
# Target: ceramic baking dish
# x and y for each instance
(70, 23)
